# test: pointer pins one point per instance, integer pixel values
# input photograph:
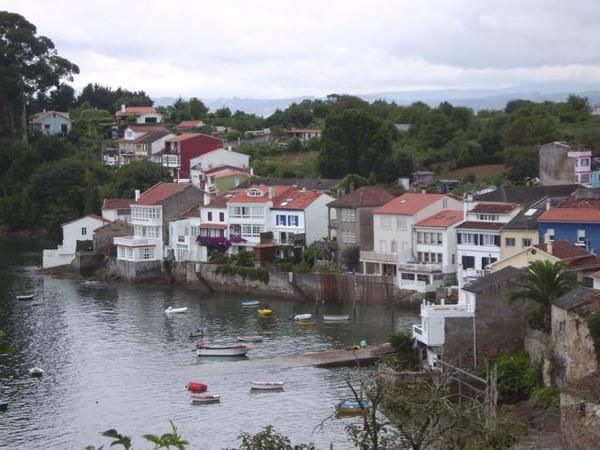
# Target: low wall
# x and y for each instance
(135, 271)
(87, 263)
(54, 258)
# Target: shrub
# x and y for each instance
(593, 323)
(518, 378)
(547, 396)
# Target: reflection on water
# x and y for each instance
(113, 359)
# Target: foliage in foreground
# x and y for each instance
(166, 440)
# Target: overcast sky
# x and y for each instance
(273, 49)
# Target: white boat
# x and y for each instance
(250, 338)
(338, 318)
(171, 310)
(222, 350)
(301, 317)
(251, 303)
(36, 372)
(205, 398)
(25, 297)
(267, 385)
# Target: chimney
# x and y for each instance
(137, 195)
(271, 193)
(251, 171)
(123, 107)
(548, 204)
(548, 242)
(468, 203)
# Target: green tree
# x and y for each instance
(542, 282)
(140, 175)
(29, 65)
(269, 439)
(294, 145)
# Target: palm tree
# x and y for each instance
(543, 282)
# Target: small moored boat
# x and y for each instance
(3, 405)
(352, 407)
(251, 303)
(264, 311)
(171, 310)
(196, 386)
(301, 317)
(267, 385)
(334, 318)
(306, 323)
(25, 297)
(222, 350)
(36, 372)
(205, 398)
(250, 338)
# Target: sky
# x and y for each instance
(281, 49)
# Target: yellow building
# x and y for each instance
(522, 231)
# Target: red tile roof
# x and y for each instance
(243, 197)
(494, 208)
(117, 203)
(295, 199)
(220, 201)
(443, 219)
(42, 115)
(92, 216)
(364, 197)
(595, 274)
(148, 128)
(135, 111)
(183, 137)
(570, 215)
(194, 211)
(189, 124)
(474, 225)
(228, 172)
(408, 204)
(160, 192)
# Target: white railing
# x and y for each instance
(428, 308)
(379, 257)
(423, 267)
(130, 241)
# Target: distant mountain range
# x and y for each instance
(476, 99)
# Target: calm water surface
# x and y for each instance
(113, 359)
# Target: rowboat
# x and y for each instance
(339, 318)
(352, 407)
(306, 323)
(37, 303)
(251, 303)
(267, 385)
(250, 338)
(196, 386)
(171, 310)
(205, 398)
(264, 311)
(36, 372)
(198, 333)
(222, 350)
(301, 317)
(25, 297)
(3, 405)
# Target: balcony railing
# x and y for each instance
(421, 267)
(170, 160)
(379, 257)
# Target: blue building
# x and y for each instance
(579, 225)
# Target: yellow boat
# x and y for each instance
(306, 323)
(264, 311)
(351, 407)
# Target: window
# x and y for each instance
(487, 261)
(146, 253)
(550, 233)
(383, 246)
(419, 237)
(585, 162)
(348, 215)
(526, 242)
(468, 262)
(580, 235)
(254, 193)
(468, 238)
(209, 214)
(585, 178)
(293, 221)
(510, 242)
(394, 247)
(426, 237)
(83, 231)
(252, 231)
(488, 217)
(453, 259)
(281, 220)
(221, 217)
(348, 237)
(440, 239)
(489, 239)
(247, 212)
(407, 276)
(401, 223)
(195, 230)
(424, 278)
(386, 222)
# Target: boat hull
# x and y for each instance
(25, 297)
(306, 323)
(196, 386)
(240, 350)
(267, 385)
(251, 303)
(352, 407)
(336, 318)
(171, 310)
(302, 317)
(205, 398)
(250, 338)
(265, 312)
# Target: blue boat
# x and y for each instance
(251, 303)
(3, 405)
(352, 407)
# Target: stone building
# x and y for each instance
(580, 413)
(104, 236)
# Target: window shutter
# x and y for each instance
(497, 241)
(459, 238)
(480, 236)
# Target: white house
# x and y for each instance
(434, 250)
(142, 114)
(478, 237)
(298, 217)
(393, 225)
(81, 229)
(52, 122)
(183, 232)
(224, 158)
(304, 134)
(117, 208)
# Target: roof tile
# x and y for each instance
(408, 204)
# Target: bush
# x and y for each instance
(593, 323)
(406, 355)
(535, 319)
(518, 378)
(547, 396)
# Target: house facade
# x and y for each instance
(204, 168)
(81, 229)
(180, 150)
(117, 209)
(140, 255)
(52, 123)
(141, 114)
(304, 134)
(579, 225)
(478, 237)
(351, 217)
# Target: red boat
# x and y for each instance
(196, 386)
